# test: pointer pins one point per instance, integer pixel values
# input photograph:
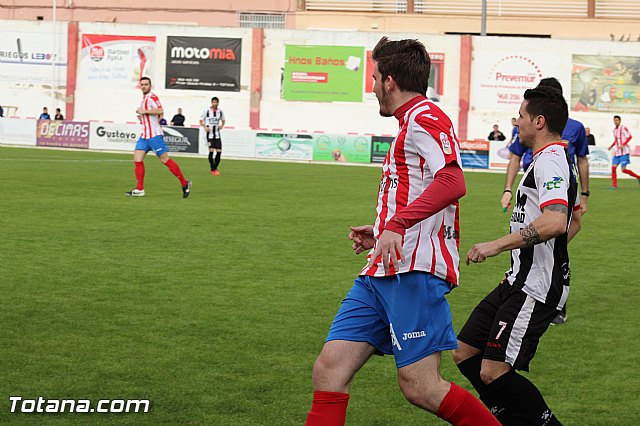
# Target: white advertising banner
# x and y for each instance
(599, 161)
(18, 131)
(284, 146)
(504, 68)
(498, 155)
(115, 61)
(31, 58)
(114, 136)
(238, 143)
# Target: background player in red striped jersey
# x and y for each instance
(152, 139)
(397, 304)
(503, 331)
(620, 145)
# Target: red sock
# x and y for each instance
(139, 174)
(630, 173)
(614, 177)
(173, 167)
(461, 408)
(328, 409)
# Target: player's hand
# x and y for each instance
(139, 111)
(390, 248)
(583, 204)
(506, 200)
(362, 237)
(481, 251)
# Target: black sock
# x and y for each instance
(211, 160)
(470, 368)
(216, 163)
(523, 400)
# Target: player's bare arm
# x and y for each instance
(152, 111)
(512, 172)
(552, 223)
(583, 173)
(530, 235)
(576, 224)
(362, 237)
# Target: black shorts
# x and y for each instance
(215, 143)
(507, 325)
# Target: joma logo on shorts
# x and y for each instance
(414, 335)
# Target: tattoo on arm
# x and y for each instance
(558, 208)
(530, 235)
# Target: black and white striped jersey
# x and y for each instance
(542, 271)
(212, 119)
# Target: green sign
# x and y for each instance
(323, 73)
(342, 148)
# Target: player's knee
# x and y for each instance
(458, 356)
(463, 352)
(488, 374)
(327, 371)
(421, 394)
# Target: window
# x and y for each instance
(261, 20)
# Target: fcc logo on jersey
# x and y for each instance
(446, 145)
(555, 183)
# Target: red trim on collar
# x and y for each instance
(548, 145)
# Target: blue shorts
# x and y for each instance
(406, 315)
(155, 144)
(623, 160)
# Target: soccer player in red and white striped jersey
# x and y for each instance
(620, 145)
(397, 304)
(152, 139)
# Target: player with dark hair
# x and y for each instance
(502, 333)
(621, 138)
(397, 304)
(212, 121)
(576, 139)
(575, 136)
(152, 139)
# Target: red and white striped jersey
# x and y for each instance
(621, 137)
(150, 123)
(425, 143)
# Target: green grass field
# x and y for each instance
(215, 307)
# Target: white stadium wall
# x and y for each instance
(27, 76)
(361, 117)
(119, 105)
(515, 59)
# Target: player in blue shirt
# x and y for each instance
(578, 147)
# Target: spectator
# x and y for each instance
(58, 115)
(163, 122)
(590, 138)
(45, 114)
(496, 135)
(178, 119)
